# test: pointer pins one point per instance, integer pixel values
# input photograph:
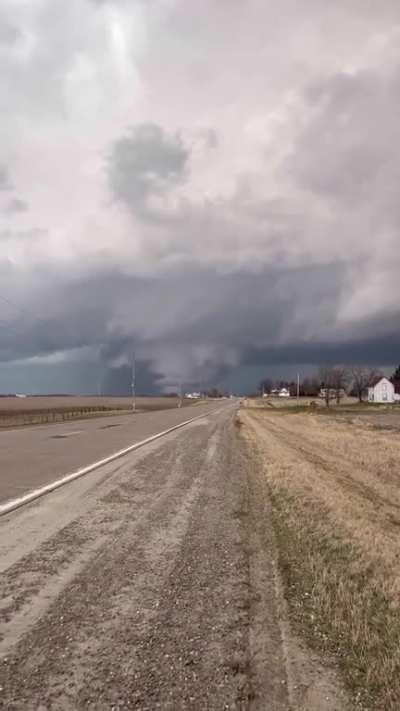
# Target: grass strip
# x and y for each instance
(337, 602)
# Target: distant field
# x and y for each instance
(383, 417)
(15, 411)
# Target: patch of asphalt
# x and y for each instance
(34, 457)
(30, 496)
(147, 597)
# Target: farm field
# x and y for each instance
(379, 417)
(333, 483)
(16, 411)
(272, 403)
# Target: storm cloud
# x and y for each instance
(145, 162)
(214, 186)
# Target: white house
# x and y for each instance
(381, 390)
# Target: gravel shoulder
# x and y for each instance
(135, 587)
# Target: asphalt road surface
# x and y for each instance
(31, 457)
(146, 584)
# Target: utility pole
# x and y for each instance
(298, 387)
(133, 384)
(180, 395)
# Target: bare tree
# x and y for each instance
(327, 383)
(334, 381)
(361, 377)
(310, 387)
(341, 379)
(266, 386)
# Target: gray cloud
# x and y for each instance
(145, 162)
(350, 149)
(9, 34)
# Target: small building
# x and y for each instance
(279, 392)
(284, 392)
(381, 390)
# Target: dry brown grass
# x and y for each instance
(16, 411)
(336, 507)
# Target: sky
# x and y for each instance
(212, 185)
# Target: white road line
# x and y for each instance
(37, 493)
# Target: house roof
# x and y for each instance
(394, 381)
(377, 379)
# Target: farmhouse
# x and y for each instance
(381, 390)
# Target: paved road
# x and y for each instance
(147, 584)
(34, 456)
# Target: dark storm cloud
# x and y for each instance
(371, 351)
(213, 328)
(146, 161)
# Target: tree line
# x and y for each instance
(331, 382)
